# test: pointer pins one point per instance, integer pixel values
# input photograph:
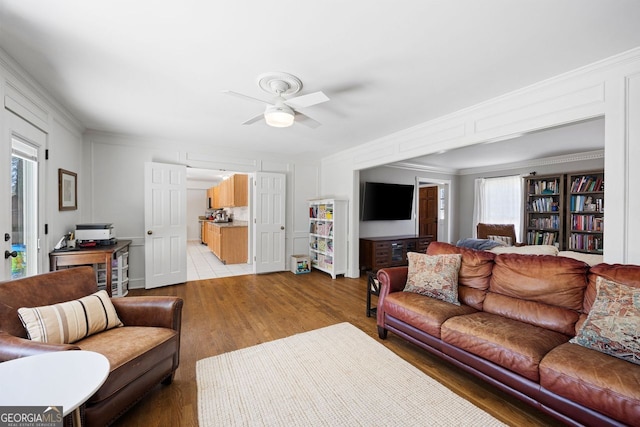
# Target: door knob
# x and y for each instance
(282, 227)
(149, 232)
(8, 254)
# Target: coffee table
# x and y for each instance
(60, 378)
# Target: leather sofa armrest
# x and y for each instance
(158, 311)
(12, 347)
(392, 279)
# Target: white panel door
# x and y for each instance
(269, 217)
(165, 212)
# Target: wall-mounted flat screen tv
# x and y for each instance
(386, 202)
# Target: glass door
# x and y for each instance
(22, 197)
(24, 209)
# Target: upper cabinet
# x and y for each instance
(233, 192)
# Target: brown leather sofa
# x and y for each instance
(512, 329)
(142, 353)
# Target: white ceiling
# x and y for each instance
(157, 68)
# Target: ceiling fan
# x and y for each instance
(282, 112)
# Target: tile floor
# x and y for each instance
(203, 264)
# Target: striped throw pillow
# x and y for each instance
(71, 321)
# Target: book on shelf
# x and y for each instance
(587, 183)
(551, 186)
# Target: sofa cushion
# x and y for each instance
(552, 282)
(70, 321)
(131, 351)
(596, 380)
(509, 343)
(424, 313)
(555, 318)
(613, 324)
(435, 276)
(474, 274)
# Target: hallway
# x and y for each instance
(203, 264)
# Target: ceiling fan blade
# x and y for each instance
(247, 97)
(307, 100)
(305, 120)
(254, 119)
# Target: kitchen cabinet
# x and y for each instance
(213, 197)
(204, 232)
(234, 191)
(228, 242)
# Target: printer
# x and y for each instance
(100, 233)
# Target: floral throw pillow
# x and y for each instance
(613, 324)
(435, 276)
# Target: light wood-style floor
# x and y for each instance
(230, 313)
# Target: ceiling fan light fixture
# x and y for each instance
(279, 116)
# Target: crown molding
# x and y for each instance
(422, 168)
(20, 77)
(566, 158)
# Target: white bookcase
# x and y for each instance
(328, 235)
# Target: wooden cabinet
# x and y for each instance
(390, 251)
(233, 192)
(585, 211)
(213, 236)
(228, 243)
(110, 262)
(215, 197)
(544, 207)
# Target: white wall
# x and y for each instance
(609, 88)
(28, 100)
(117, 183)
(196, 206)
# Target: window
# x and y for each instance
(24, 209)
(498, 201)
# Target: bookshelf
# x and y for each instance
(585, 212)
(544, 205)
(328, 235)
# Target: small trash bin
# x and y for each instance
(300, 264)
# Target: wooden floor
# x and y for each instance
(226, 314)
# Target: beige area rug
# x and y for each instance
(334, 376)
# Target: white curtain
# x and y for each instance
(498, 201)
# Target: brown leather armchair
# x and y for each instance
(142, 353)
(508, 230)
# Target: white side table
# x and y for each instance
(60, 378)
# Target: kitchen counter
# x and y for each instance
(227, 224)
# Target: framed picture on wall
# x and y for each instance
(67, 190)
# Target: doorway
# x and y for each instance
(428, 211)
(434, 208)
(23, 214)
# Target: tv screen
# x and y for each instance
(386, 202)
